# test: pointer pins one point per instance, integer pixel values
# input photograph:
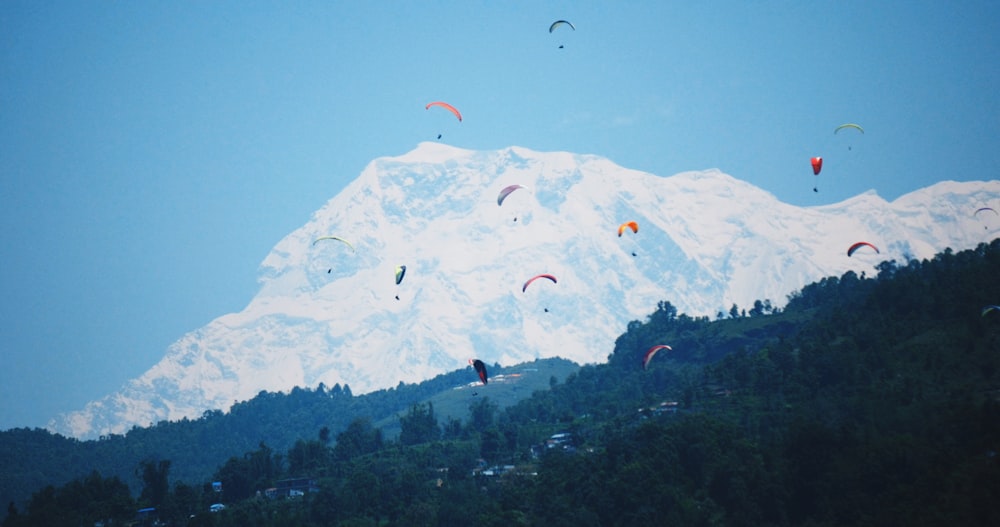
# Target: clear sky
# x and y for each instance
(152, 152)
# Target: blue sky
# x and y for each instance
(152, 153)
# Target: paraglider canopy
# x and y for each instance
(849, 125)
(851, 250)
(985, 209)
(628, 225)
(506, 192)
(652, 351)
(400, 273)
(446, 106)
(558, 23)
(987, 309)
(337, 238)
(532, 279)
(817, 164)
(480, 369)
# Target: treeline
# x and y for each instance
(865, 401)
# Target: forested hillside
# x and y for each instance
(195, 448)
(865, 401)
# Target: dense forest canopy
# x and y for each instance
(866, 400)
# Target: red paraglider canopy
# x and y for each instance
(856, 246)
(817, 164)
(652, 351)
(532, 279)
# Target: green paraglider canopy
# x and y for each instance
(849, 125)
(339, 239)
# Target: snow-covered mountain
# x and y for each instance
(327, 310)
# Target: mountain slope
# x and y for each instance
(327, 313)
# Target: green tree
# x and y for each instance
(242, 477)
(359, 438)
(308, 458)
(184, 501)
(419, 425)
(481, 415)
(83, 501)
(155, 482)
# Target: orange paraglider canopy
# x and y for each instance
(628, 225)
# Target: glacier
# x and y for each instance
(328, 314)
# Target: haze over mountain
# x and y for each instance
(327, 311)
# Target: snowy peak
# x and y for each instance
(329, 309)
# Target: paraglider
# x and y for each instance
(337, 238)
(400, 273)
(987, 309)
(628, 225)
(652, 351)
(506, 192)
(817, 164)
(848, 126)
(856, 246)
(985, 209)
(446, 106)
(532, 279)
(524, 288)
(558, 23)
(480, 369)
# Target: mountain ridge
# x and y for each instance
(327, 313)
